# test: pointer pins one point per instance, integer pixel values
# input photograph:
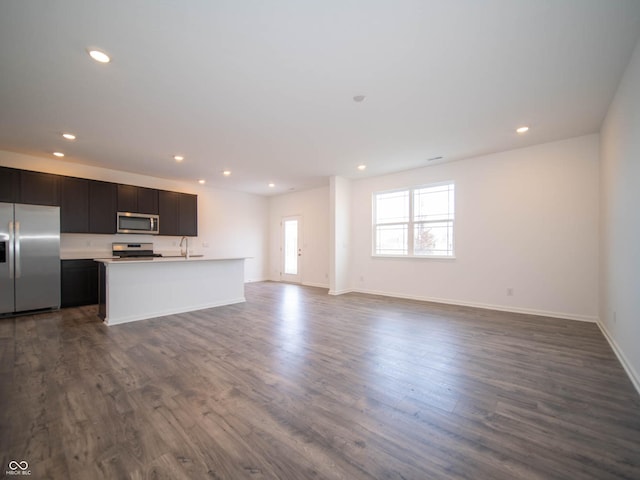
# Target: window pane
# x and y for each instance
(433, 203)
(433, 238)
(392, 207)
(391, 239)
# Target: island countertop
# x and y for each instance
(165, 259)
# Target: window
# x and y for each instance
(414, 222)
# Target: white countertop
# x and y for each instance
(192, 258)
(107, 254)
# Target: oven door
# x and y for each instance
(138, 223)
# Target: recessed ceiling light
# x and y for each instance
(362, 167)
(58, 154)
(202, 181)
(226, 173)
(99, 56)
(271, 185)
(69, 136)
(359, 98)
(178, 158)
(523, 129)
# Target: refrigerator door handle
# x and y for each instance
(10, 257)
(18, 268)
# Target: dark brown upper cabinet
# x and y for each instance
(168, 205)
(9, 185)
(91, 206)
(188, 215)
(127, 198)
(103, 206)
(137, 199)
(38, 188)
(148, 200)
(178, 214)
(74, 205)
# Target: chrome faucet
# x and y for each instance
(186, 250)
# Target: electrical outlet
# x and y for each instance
(205, 244)
(509, 292)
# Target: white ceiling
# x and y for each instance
(265, 88)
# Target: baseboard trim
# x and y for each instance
(312, 284)
(340, 292)
(626, 364)
(173, 311)
(254, 280)
(485, 306)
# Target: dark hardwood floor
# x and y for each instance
(297, 384)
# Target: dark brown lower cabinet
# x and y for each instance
(79, 282)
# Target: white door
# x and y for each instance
(291, 249)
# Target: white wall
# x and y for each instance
(229, 223)
(526, 219)
(620, 220)
(340, 235)
(313, 207)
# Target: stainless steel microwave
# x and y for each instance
(138, 223)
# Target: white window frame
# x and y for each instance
(411, 223)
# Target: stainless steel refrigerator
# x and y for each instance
(29, 257)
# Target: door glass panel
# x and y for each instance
(291, 247)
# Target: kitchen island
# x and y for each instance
(137, 289)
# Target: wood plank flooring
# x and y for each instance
(297, 384)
